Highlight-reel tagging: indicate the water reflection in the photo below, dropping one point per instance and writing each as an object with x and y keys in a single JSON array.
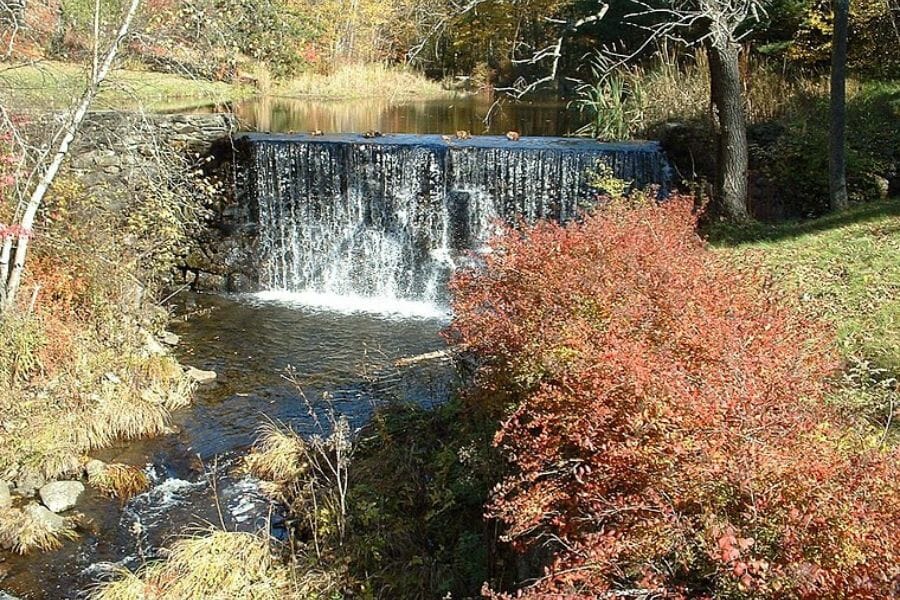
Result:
[{"x": 479, "y": 114}]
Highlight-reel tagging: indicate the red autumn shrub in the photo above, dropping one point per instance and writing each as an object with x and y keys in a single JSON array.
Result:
[{"x": 669, "y": 432}]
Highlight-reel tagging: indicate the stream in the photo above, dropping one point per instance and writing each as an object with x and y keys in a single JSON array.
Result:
[
  {"x": 343, "y": 355},
  {"x": 340, "y": 349}
]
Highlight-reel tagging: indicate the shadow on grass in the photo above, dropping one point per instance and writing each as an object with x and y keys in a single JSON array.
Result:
[{"x": 726, "y": 234}]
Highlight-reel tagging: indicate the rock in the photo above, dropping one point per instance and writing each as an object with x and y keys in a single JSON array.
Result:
[
  {"x": 200, "y": 376},
  {"x": 238, "y": 283},
  {"x": 60, "y": 496},
  {"x": 6, "y": 596},
  {"x": 152, "y": 347},
  {"x": 134, "y": 294},
  {"x": 29, "y": 482},
  {"x": 169, "y": 339},
  {"x": 5, "y": 497},
  {"x": 189, "y": 277},
  {"x": 882, "y": 186},
  {"x": 40, "y": 514},
  {"x": 94, "y": 467},
  {"x": 209, "y": 282}
]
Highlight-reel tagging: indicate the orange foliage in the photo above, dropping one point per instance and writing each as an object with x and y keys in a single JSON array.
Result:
[
  {"x": 670, "y": 432},
  {"x": 60, "y": 288}
]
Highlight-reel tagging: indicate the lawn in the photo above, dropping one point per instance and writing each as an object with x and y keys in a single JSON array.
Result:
[
  {"x": 846, "y": 268},
  {"x": 53, "y": 85}
]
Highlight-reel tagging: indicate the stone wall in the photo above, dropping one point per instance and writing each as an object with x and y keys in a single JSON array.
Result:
[
  {"x": 114, "y": 144},
  {"x": 123, "y": 156}
]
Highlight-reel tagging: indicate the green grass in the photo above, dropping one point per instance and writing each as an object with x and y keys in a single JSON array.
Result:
[
  {"x": 53, "y": 85},
  {"x": 50, "y": 85},
  {"x": 846, "y": 268}
]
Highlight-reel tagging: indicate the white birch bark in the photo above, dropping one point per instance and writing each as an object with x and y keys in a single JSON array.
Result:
[{"x": 11, "y": 283}]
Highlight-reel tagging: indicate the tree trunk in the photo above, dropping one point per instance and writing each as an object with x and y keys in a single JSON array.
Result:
[
  {"x": 837, "y": 155},
  {"x": 732, "y": 153},
  {"x": 11, "y": 285}
]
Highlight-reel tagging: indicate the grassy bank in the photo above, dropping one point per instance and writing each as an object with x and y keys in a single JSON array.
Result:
[
  {"x": 80, "y": 368},
  {"x": 846, "y": 268},
  {"x": 52, "y": 85},
  {"x": 47, "y": 85}
]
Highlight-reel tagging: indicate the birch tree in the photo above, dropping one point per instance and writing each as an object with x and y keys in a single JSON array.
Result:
[{"x": 15, "y": 245}]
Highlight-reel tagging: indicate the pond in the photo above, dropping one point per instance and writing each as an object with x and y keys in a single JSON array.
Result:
[{"x": 478, "y": 114}]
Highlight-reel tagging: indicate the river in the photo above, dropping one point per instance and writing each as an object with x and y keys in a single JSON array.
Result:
[{"x": 342, "y": 352}]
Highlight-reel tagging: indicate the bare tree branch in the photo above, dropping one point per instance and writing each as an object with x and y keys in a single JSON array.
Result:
[{"x": 522, "y": 87}]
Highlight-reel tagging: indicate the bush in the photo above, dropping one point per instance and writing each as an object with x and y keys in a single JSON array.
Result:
[
  {"x": 670, "y": 432},
  {"x": 419, "y": 482}
]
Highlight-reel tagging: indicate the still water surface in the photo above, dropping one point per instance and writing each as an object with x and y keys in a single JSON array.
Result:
[{"x": 478, "y": 114}]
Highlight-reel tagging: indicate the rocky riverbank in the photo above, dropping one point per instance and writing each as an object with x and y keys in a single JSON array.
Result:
[{"x": 85, "y": 362}]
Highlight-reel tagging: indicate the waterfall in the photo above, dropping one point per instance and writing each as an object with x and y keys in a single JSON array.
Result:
[{"x": 387, "y": 219}]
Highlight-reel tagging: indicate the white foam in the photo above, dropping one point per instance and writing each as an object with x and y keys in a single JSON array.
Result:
[
  {"x": 159, "y": 499},
  {"x": 351, "y": 303},
  {"x": 245, "y": 500}
]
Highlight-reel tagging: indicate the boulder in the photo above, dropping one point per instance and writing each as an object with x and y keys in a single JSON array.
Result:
[
  {"x": 200, "y": 376},
  {"x": 210, "y": 282},
  {"x": 152, "y": 347},
  {"x": 94, "y": 467},
  {"x": 5, "y": 497},
  {"x": 169, "y": 339},
  {"x": 238, "y": 283},
  {"x": 882, "y": 186},
  {"x": 60, "y": 496},
  {"x": 40, "y": 514}
]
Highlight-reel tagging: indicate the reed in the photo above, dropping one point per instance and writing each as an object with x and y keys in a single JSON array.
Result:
[
  {"x": 673, "y": 87},
  {"x": 120, "y": 481},
  {"x": 361, "y": 81}
]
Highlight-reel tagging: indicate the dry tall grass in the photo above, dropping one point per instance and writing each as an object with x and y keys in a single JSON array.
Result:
[
  {"x": 120, "y": 481},
  {"x": 677, "y": 88},
  {"x": 279, "y": 455},
  {"x": 361, "y": 81},
  {"x": 101, "y": 397},
  {"x": 220, "y": 565},
  {"x": 22, "y": 531}
]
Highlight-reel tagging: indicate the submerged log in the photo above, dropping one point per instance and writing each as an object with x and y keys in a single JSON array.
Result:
[{"x": 438, "y": 355}]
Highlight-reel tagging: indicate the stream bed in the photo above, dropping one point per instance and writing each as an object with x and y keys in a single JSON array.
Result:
[
  {"x": 341, "y": 348},
  {"x": 341, "y": 359}
]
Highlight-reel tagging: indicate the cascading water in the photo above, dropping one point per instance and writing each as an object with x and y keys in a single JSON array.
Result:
[{"x": 383, "y": 221}]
